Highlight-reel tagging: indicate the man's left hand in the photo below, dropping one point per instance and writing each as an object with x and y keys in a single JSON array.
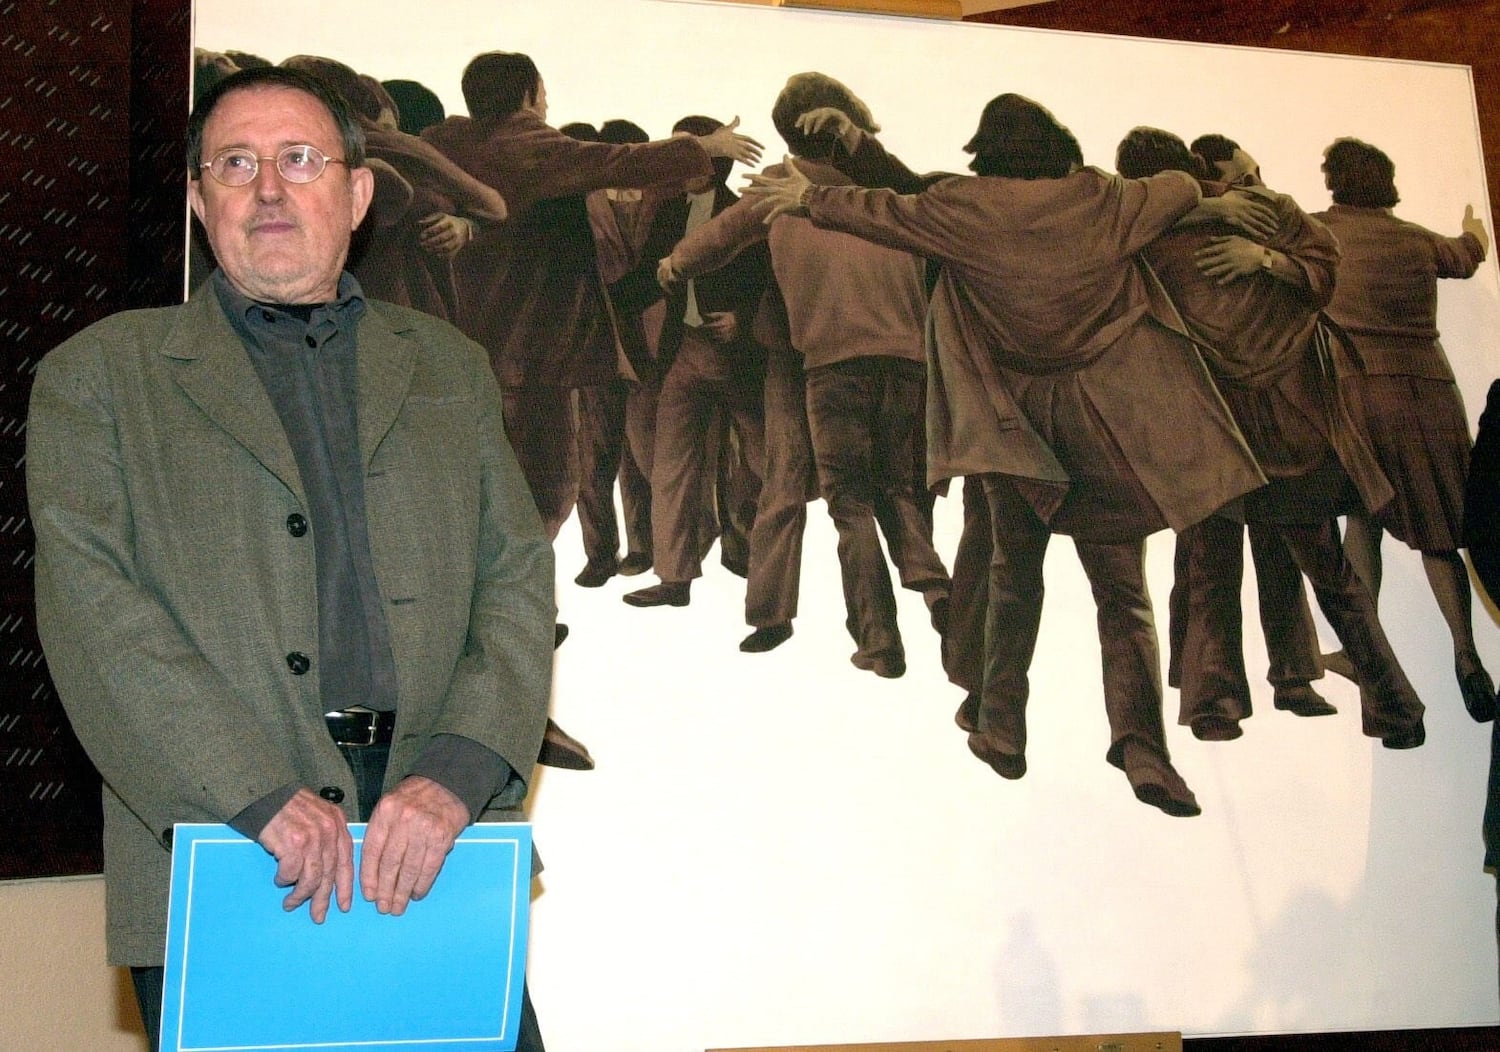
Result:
[
  {"x": 444, "y": 234},
  {"x": 1229, "y": 258},
  {"x": 722, "y": 326},
  {"x": 406, "y": 841}
]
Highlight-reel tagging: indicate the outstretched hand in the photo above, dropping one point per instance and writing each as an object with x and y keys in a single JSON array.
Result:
[
  {"x": 1472, "y": 224},
  {"x": 726, "y": 142},
  {"x": 784, "y": 192}
]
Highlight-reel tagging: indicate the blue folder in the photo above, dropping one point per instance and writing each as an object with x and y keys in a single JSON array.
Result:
[{"x": 243, "y": 975}]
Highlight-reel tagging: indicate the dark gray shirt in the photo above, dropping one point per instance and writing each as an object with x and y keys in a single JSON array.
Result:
[{"x": 306, "y": 356}]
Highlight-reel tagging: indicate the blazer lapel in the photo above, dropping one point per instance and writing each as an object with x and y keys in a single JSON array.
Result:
[
  {"x": 215, "y": 372},
  {"x": 386, "y": 362}
]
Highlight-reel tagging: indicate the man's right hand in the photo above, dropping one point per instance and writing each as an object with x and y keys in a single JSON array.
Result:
[
  {"x": 826, "y": 120},
  {"x": 726, "y": 142},
  {"x": 309, "y": 838}
]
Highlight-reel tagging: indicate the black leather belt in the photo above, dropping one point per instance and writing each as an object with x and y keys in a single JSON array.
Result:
[{"x": 359, "y": 727}]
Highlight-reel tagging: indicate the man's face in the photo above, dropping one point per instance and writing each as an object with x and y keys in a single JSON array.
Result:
[
  {"x": 1239, "y": 170},
  {"x": 537, "y": 103},
  {"x": 279, "y": 242}
]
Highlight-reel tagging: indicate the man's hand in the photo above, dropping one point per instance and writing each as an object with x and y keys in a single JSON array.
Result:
[
  {"x": 826, "y": 120},
  {"x": 721, "y": 326},
  {"x": 444, "y": 234},
  {"x": 1249, "y": 213},
  {"x": 1229, "y": 257},
  {"x": 726, "y": 142},
  {"x": 783, "y": 191},
  {"x": 314, "y": 854},
  {"x": 409, "y": 836},
  {"x": 1472, "y": 224},
  {"x": 666, "y": 277}
]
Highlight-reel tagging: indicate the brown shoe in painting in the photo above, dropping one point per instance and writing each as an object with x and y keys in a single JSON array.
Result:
[
  {"x": 887, "y": 664},
  {"x": 767, "y": 637},
  {"x": 1301, "y": 700},
  {"x": 634, "y": 563},
  {"x": 1478, "y": 691},
  {"x": 561, "y": 749},
  {"x": 1212, "y": 727},
  {"x": 1156, "y": 782},
  {"x": 1008, "y": 765},
  {"x": 668, "y": 593},
  {"x": 596, "y": 572},
  {"x": 967, "y": 716}
]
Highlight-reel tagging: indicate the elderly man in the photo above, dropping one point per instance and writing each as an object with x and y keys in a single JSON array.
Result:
[{"x": 276, "y": 501}]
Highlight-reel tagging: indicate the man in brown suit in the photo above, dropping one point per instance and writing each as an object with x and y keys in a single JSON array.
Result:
[
  {"x": 277, "y": 501},
  {"x": 530, "y": 289},
  {"x": 716, "y": 369}
]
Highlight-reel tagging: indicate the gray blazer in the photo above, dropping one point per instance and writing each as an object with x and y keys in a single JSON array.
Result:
[{"x": 171, "y": 590}]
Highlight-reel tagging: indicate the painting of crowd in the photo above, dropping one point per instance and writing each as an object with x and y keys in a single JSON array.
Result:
[{"x": 1063, "y": 349}]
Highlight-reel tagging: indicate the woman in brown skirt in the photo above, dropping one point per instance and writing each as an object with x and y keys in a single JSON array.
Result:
[{"x": 1401, "y": 389}]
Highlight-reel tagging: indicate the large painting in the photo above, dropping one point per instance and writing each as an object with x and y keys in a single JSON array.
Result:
[{"x": 781, "y": 847}]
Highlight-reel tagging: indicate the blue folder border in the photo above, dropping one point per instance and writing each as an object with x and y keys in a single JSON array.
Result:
[{"x": 187, "y": 900}]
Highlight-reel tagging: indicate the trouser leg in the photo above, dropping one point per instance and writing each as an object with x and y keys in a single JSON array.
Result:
[
  {"x": 840, "y": 409},
  {"x": 1213, "y": 653},
  {"x": 1018, "y": 547},
  {"x": 1127, "y": 642},
  {"x": 1387, "y": 699},
  {"x": 774, "y": 585},
  {"x": 1285, "y": 618},
  {"x": 635, "y": 504},
  {"x": 905, "y": 519},
  {"x": 541, "y": 425},
  {"x": 601, "y": 441},
  {"x": 963, "y": 646},
  {"x": 683, "y": 417},
  {"x": 1177, "y": 610}
]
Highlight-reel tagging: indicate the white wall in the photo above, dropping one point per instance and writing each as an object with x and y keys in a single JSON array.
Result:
[{"x": 778, "y": 848}]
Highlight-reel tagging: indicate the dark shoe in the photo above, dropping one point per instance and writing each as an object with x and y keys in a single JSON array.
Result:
[
  {"x": 1301, "y": 700},
  {"x": 668, "y": 593},
  {"x": 1479, "y": 694},
  {"x": 1156, "y": 782},
  {"x": 559, "y": 633},
  {"x": 634, "y": 563},
  {"x": 1406, "y": 738},
  {"x": 1212, "y": 727},
  {"x": 561, "y": 749},
  {"x": 1339, "y": 664},
  {"x": 887, "y": 664},
  {"x": 1009, "y": 765},
  {"x": 967, "y": 716},
  {"x": 768, "y": 637},
  {"x": 940, "y": 611},
  {"x": 595, "y": 573}
]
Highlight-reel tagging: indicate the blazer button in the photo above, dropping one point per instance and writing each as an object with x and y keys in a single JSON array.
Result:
[
  {"x": 298, "y": 662},
  {"x": 296, "y": 524},
  {"x": 332, "y": 793}
]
